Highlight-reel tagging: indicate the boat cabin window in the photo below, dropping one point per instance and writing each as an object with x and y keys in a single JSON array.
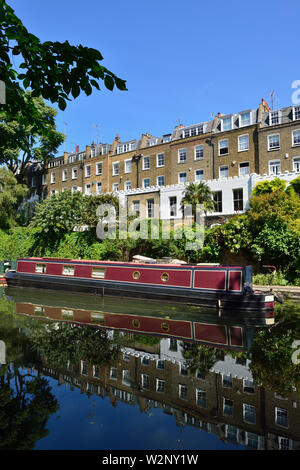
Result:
[
  {"x": 136, "y": 275},
  {"x": 67, "y": 314},
  {"x": 98, "y": 317},
  {"x": 99, "y": 273},
  {"x": 164, "y": 277},
  {"x": 69, "y": 270},
  {"x": 40, "y": 268}
]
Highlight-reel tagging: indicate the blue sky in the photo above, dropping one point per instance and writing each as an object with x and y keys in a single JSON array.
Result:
[{"x": 181, "y": 60}]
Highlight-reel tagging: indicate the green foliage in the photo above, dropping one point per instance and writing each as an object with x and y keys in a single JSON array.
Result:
[
  {"x": 268, "y": 187},
  {"x": 198, "y": 194},
  {"x": 11, "y": 194},
  {"x": 56, "y": 71},
  {"x": 59, "y": 214},
  {"x": 295, "y": 185}
]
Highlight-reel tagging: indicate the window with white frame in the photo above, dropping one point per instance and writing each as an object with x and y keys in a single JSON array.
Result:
[
  {"x": 201, "y": 399},
  {"x": 238, "y": 202},
  {"x": 223, "y": 172},
  {"x": 152, "y": 141},
  {"x": 121, "y": 148},
  {"x": 150, "y": 208},
  {"x": 146, "y": 163},
  {"x": 44, "y": 179},
  {"x": 127, "y": 185},
  {"x": 88, "y": 189},
  {"x": 113, "y": 373},
  {"x": 199, "y": 152},
  {"x": 136, "y": 207},
  {"x": 33, "y": 182},
  {"x": 115, "y": 187},
  {"x": 182, "y": 177},
  {"x": 99, "y": 187},
  {"x": 296, "y": 164},
  {"x": 167, "y": 138},
  {"x": 217, "y": 197},
  {"x": 161, "y": 180},
  {"x": 145, "y": 381},
  {"x": 193, "y": 131},
  {"x": 160, "y": 364},
  {"x": 173, "y": 206},
  {"x": 53, "y": 176},
  {"x": 249, "y": 414},
  {"x": 296, "y": 137},
  {"x": 296, "y": 112},
  {"x": 273, "y": 142},
  {"x": 64, "y": 175},
  {"x": 226, "y": 124},
  {"x": 248, "y": 385},
  {"x": 252, "y": 440},
  {"x": 199, "y": 175},
  {"x": 183, "y": 392},
  {"x": 245, "y": 119},
  {"x": 243, "y": 142},
  {"x": 88, "y": 170},
  {"x": 274, "y": 118},
  {"x": 128, "y": 166},
  {"x": 227, "y": 407},
  {"x": 223, "y": 147},
  {"x": 74, "y": 173},
  {"x": 160, "y": 385},
  {"x": 146, "y": 182},
  {"x": 160, "y": 159},
  {"x": 181, "y": 155},
  {"x": 226, "y": 381},
  {"x": 126, "y": 377},
  {"x": 99, "y": 168},
  {"x": 281, "y": 417},
  {"x": 244, "y": 168},
  {"x": 115, "y": 168},
  {"x": 274, "y": 167},
  {"x": 284, "y": 443}
]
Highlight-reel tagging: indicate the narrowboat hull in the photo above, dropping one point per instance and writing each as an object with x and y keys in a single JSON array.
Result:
[{"x": 218, "y": 287}]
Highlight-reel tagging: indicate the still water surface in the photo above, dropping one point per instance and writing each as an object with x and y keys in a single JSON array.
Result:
[{"x": 86, "y": 373}]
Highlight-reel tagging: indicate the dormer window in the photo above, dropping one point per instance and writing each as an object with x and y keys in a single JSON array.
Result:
[
  {"x": 245, "y": 119},
  {"x": 166, "y": 138},
  {"x": 152, "y": 142},
  {"x": 226, "y": 124},
  {"x": 274, "y": 118},
  {"x": 126, "y": 147},
  {"x": 193, "y": 131},
  {"x": 296, "y": 113}
]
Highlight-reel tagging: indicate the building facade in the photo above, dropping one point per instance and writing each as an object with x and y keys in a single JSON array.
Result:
[{"x": 229, "y": 153}]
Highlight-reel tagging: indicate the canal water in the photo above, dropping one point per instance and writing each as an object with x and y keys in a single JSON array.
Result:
[{"x": 80, "y": 372}]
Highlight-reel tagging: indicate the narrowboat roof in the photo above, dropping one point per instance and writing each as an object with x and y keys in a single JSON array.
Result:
[{"x": 135, "y": 263}]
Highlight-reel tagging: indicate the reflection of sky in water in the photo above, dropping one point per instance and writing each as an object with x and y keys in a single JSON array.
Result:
[{"x": 94, "y": 424}]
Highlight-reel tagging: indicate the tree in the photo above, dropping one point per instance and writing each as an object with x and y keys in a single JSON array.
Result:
[
  {"x": 268, "y": 187},
  {"x": 59, "y": 214},
  {"x": 22, "y": 142},
  {"x": 198, "y": 194},
  {"x": 52, "y": 70},
  {"x": 11, "y": 195}
]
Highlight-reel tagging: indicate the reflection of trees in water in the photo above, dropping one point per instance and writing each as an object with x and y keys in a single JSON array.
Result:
[
  {"x": 271, "y": 355},
  {"x": 201, "y": 358},
  {"x": 26, "y": 402},
  {"x": 63, "y": 344}
]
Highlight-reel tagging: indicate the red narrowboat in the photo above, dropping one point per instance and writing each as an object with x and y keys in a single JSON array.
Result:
[{"x": 223, "y": 287}]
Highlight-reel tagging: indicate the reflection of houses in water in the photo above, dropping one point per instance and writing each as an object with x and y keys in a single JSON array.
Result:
[{"x": 225, "y": 401}]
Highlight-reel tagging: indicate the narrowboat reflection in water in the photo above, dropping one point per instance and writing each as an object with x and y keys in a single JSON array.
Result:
[{"x": 215, "y": 328}]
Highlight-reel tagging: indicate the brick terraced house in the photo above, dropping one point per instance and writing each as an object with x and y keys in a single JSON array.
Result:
[{"x": 231, "y": 153}]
